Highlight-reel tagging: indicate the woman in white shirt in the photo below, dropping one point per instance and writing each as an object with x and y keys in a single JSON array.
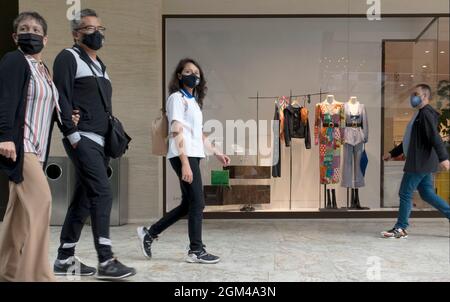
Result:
[{"x": 186, "y": 149}]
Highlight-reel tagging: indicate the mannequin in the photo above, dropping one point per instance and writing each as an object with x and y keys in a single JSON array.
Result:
[
  {"x": 328, "y": 127},
  {"x": 354, "y": 105},
  {"x": 355, "y": 137},
  {"x": 330, "y": 99}
]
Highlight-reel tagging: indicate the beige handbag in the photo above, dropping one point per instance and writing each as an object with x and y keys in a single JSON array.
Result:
[{"x": 160, "y": 135}]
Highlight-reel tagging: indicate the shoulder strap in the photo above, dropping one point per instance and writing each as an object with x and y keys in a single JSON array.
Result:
[{"x": 102, "y": 95}]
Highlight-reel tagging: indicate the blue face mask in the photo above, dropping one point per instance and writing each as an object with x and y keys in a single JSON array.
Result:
[{"x": 415, "y": 101}]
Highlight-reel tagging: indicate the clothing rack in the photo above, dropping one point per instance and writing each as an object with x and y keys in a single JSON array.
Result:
[{"x": 291, "y": 96}]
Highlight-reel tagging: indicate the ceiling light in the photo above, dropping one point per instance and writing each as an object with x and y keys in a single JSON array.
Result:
[
  {"x": 442, "y": 52},
  {"x": 424, "y": 66},
  {"x": 427, "y": 51},
  {"x": 402, "y": 85},
  {"x": 412, "y": 76}
]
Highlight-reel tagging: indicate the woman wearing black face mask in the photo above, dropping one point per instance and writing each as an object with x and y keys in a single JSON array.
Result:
[
  {"x": 186, "y": 149},
  {"x": 28, "y": 103}
]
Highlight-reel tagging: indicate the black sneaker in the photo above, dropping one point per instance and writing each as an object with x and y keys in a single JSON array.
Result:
[
  {"x": 73, "y": 267},
  {"x": 395, "y": 233},
  {"x": 201, "y": 257},
  {"x": 145, "y": 240},
  {"x": 114, "y": 270}
]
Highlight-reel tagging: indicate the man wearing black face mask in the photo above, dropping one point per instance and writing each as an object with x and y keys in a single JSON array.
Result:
[
  {"x": 85, "y": 89},
  {"x": 424, "y": 151}
]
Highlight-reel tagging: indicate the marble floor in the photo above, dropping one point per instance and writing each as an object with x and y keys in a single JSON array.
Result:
[{"x": 286, "y": 250}]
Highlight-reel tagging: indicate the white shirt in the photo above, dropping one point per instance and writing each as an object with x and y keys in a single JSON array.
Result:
[{"x": 183, "y": 108}]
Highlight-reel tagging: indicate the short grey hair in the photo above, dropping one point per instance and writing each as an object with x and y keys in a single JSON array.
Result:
[{"x": 75, "y": 24}]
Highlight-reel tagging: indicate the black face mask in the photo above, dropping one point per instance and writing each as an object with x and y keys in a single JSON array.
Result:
[
  {"x": 94, "y": 41},
  {"x": 30, "y": 44},
  {"x": 190, "y": 81}
]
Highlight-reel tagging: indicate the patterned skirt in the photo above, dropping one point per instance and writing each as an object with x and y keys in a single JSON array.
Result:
[{"x": 330, "y": 155}]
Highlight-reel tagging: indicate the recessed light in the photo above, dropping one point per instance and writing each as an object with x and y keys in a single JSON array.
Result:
[
  {"x": 402, "y": 85},
  {"x": 424, "y": 66},
  {"x": 427, "y": 51},
  {"x": 412, "y": 76},
  {"x": 442, "y": 52}
]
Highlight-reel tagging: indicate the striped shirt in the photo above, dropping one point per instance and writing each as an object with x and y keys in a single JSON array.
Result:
[{"x": 42, "y": 99}]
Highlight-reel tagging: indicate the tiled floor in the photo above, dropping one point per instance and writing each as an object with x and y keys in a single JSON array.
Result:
[{"x": 286, "y": 250}]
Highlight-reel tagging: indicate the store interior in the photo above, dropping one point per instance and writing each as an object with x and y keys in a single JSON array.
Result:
[{"x": 252, "y": 64}]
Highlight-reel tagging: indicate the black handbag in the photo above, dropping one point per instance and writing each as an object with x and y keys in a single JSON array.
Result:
[{"x": 117, "y": 140}]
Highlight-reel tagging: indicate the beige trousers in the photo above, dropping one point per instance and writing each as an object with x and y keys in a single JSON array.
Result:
[{"x": 25, "y": 232}]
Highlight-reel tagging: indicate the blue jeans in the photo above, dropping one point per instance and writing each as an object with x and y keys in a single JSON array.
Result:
[{"x": 424, "y": 183}]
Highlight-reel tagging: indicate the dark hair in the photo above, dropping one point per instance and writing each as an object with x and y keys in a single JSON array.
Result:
[
  {"x": 427, "y": 89},
  {"x": 175, "y": 83},
  {"x": 30, "y": 15},
  {"x": 76, "y": 22}
]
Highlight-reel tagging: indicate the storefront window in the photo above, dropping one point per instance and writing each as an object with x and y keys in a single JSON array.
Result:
[{"x": 318, "y": 59}]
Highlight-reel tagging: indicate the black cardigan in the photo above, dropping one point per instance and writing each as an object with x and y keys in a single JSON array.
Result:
[
  {"x": 426, "y": 149},
  {"x": 15, "y": 77}
]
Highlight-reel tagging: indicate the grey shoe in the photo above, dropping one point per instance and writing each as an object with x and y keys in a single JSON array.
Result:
[
  {"x": 114, "y": 270},
  {"x": 72, "y": 267},
  {"x": 202, "y": 257}
]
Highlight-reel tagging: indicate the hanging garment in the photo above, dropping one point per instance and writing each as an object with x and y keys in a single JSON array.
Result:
[
  {"x": 278, "y": 135},
  {"x": 356, "y": 135},
  {"x": 296, "y": 122},
  {"x": 329, "y": 134}
]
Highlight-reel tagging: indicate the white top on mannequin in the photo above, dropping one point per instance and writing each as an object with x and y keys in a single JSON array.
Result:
[{"x": 354, "y": 105}]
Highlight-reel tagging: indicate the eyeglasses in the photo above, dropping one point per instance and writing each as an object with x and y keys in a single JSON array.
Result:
[{"x": 92, "y": 29}]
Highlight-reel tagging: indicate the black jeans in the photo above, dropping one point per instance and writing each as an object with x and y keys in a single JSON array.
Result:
[
  {"x": 92, "y": 197},
  {"x": 192, "y": 203}
]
